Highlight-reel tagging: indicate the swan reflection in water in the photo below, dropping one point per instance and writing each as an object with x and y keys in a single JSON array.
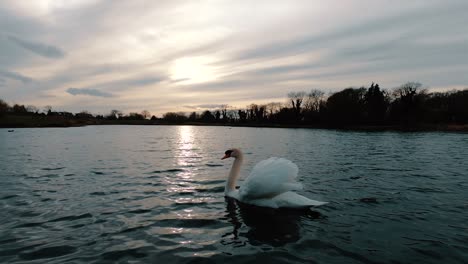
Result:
[{"x": 275, "y": 227}]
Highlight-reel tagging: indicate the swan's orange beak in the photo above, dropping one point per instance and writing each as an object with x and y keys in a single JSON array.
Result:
[{"x": 225, "y": 156}]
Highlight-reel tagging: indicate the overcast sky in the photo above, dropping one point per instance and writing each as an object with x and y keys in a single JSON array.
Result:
[{"x": 99, "y": 55}]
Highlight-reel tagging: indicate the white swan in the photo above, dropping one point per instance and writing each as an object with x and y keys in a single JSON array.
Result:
[{"x": 270, "y": 184}]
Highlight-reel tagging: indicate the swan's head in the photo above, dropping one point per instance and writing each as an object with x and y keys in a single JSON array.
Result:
[{"x": 232, "y": 153}]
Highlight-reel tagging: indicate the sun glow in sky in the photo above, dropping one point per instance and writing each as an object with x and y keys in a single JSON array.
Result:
[
  {"x": 162, "y": 56},
  {"x": 191, "y": 70}
]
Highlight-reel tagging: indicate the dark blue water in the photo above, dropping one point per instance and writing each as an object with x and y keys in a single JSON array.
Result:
[{"x": 146, "y": 194}]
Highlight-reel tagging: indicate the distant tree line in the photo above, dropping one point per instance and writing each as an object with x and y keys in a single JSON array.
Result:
[
  {"x": 30, "y": 110},
  {"x": 406, "y": 105}
]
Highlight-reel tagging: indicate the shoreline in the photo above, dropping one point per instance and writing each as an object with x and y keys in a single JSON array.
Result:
[{"x": 11, "y": 123}]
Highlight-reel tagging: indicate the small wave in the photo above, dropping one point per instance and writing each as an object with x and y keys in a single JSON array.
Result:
[
  {"x": 214, "y": 165},
  {"x": 77, "y": 226},
  {"x": 98, "y": 193},
  {"x": 9, "y": 197},
  {"x": 8, "y": 241},
  {"x": 130, "y": 229},
  {"x": 147, "y": 150},
  {"x": 97, "y": 172},
  {"x": 118, "y": 254},
  {"x": 140, "y": 211},
  {"x": 425, "y": 190},
  {"x": 29, "y": 214},
  {"x": 212, "y": 182},
  {"x": 71, "y": 217},
  {"x": 29, "y": 225},
  {"x": 190, "y": 223},
  {"x": 369, "y": 200},
  {"x": 53, "y": 169},
  {"x": 169, "y": 170},
  {"x": 48, "y": 252},
  {"x": 217, "y": 189},
  {"x": 53, "y": 175},
  {"x": 184, "y": 193}
]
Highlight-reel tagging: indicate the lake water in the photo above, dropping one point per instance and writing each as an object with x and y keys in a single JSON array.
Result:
[{"x": 147, "y": 194}]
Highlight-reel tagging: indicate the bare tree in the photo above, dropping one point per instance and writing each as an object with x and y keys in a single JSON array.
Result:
[
  {"x": 408, "y": 90},
  {"x": 314, "y": 100},
  {"x": 273, "y": 108},
  {"x": 32, "y": 109},
  {"x": 296, "y": 99},
  {"x": 224, "y": 110},
  {"x": 115, "y": 114},
  {"x": 146, "y": 114},
  {"x": 47, "y": 109}
]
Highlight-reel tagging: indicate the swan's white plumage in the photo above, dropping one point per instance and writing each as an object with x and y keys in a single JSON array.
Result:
[
  {"x": 271, "y": 183},
  {"x": 270, "y": 178}
]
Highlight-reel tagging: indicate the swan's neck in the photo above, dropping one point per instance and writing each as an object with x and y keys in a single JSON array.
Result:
[{"x": 234, "y": 174}]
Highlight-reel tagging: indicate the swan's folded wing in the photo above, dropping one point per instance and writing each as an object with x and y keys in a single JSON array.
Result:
[{"x": 270, "y": 178}]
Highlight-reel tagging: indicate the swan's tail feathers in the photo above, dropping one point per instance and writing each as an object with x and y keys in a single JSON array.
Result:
[
  {"x": 294, "y": 200},
  {"x": 317, "y": 203}
]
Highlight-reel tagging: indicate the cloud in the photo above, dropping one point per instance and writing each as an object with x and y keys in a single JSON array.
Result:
[
  {"x": 180, "y": 80},
  {"x": 44, "y": 50},
  {"x": 90, "y": 92},
  {"x": 204, "y": 106},
  {"x": 15, "y": 76}
]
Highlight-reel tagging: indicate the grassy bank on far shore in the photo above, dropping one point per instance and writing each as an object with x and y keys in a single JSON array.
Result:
[{"x": 19, "y": 121}]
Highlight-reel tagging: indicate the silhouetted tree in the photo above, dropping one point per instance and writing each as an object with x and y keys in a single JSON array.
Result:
[
  {"x": 19, "y": 109},
  {"x": 376, "y": 104},
  {"x": 175, "y": 117},
  {"x": 224, "y": 113},
  {"x": 408, "y": 107},
  {"x": 146, "y": 114},
  {"x": 84, "y": 115},
  {"x": 346, "y": 107},
  {"x": 286, "y": 116},
  {"x": 193, "y": 117},
  {"x": 32, "y": 109},
  {"x": 47, "y": 109},
  {"x": 271, "y": 109},
  {"x": 4, "y": 107},
  {"x": 135, "y": 116},
  {"x": 312, "y": 106},
  {"x": 217, "y": 115},
  {"x": 153, "y": 118},
  {"x": 458, "y": 106},
  {"x": 296, "y": 99},
  {"x": 232, "y": 115},
  {"x": 313, "y": 100},
  {"x": 242, "y": 115},
  {"x": 207, "y": 117},
  {"x": 114, "y": 114},
  {"x": 66, "y": 114}
]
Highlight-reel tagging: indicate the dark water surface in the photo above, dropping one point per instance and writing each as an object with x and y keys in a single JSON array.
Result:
[{"x": 147, "y": 194}]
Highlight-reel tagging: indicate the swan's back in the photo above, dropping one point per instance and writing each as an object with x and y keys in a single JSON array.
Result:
[{"x": 270, "y": 178}]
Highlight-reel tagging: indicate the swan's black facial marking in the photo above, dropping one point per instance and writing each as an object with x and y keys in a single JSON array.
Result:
[{"x": 227, "y": 154}]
